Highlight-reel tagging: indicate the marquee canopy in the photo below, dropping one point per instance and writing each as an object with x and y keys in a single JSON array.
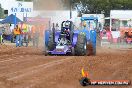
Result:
[{"x": 12, "y": 19}]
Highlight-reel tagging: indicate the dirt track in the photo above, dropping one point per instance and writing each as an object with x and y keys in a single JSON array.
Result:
[{"x": 29, "y": 68}]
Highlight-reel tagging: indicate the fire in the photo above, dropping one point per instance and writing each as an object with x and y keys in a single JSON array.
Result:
[{"x": 84, "y": 73}]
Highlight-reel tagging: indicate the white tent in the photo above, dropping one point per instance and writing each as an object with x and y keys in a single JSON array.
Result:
[{"x": 121, "y": 15}]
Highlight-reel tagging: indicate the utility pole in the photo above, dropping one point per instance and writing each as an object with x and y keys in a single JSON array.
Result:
[{"x": 70, "y": 9}]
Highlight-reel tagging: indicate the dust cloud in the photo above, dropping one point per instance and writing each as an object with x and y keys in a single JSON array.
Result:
[{"x": 51, "y": 4}]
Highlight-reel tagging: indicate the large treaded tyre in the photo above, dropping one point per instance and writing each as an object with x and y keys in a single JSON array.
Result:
[
  {"x": 51, "y": 43},
  {"x": 81, "y": 48}
]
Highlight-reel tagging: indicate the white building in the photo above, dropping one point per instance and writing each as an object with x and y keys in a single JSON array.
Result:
[
  {"x": 119, "y": 19},
  {"x": 27, "y": 9},
  {"x": 21, "y": 9}
]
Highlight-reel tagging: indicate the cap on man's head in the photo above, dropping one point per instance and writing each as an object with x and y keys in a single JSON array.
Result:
[{"x": 84, "y": 23}]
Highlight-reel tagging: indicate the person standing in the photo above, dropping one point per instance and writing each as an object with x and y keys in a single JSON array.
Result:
[
  {"x": 25, "y": 33},
  {"x": 20, "y": 26},
  {"x": 1, "y": 38},
  {"x": 17, "y": 33},
  {"x": 35, "y": 35}
]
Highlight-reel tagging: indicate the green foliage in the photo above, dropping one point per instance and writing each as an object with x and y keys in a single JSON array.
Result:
[
  {"x": 98, "y": 6},
  {"x": 1, "y": 12}
]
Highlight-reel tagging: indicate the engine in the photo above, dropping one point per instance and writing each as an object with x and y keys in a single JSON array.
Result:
[{"x": 62, "y": 40}]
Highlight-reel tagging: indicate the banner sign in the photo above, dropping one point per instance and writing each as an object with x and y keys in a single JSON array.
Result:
[{"x": 24, "y": 7}]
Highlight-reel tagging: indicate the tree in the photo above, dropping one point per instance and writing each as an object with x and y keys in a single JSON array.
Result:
[
  {"x": 97, "y": 6},
  {"x": 1, "y": 12}
]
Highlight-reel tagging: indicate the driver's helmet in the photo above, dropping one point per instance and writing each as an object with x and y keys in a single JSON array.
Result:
[{"x": 67, "y": 24}]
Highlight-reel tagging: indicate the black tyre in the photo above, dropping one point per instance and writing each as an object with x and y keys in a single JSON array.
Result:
[
  {"x": 81, "y": 48},
  {"x": 85, "y": 81},
  {"x": 51, "y": 43}
]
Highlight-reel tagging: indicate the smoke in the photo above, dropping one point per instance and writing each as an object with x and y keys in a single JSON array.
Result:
[{"x": 51, "y": 4}]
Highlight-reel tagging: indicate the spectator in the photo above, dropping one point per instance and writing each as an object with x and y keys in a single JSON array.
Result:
[
  {"x": 17, "y": 33},
  {"x": 1, "y": 38},
  {"x": 25, "y": 31},
  {"x": 35, "y": 35}
]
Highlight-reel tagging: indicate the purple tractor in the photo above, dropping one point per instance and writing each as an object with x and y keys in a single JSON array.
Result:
[{"x": 67, "y": 41}]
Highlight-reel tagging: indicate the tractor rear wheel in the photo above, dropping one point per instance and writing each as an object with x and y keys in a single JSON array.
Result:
[
  {"x": 51, "y": 43},
  {"x": 81, "y": 46}
]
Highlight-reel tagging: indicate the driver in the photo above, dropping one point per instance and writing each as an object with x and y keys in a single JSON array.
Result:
[
  {"x": 67, "y": 27},
  {"x": 67, "y": 30}
]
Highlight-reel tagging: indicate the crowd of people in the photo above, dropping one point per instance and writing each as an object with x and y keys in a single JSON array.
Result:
[{"x": 23, "y": 33}]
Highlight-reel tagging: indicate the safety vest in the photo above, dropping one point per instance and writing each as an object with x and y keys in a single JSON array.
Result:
[
  {"x": 24, "y": 28},
  {"x": 17, "y": 31},
  {"x": 1, "y": 38}
]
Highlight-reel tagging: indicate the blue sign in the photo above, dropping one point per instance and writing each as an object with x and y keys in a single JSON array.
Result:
[{"x": 21, "y": 10}]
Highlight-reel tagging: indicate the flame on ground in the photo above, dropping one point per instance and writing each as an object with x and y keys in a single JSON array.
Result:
[{"x": 84, "y": 73}]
